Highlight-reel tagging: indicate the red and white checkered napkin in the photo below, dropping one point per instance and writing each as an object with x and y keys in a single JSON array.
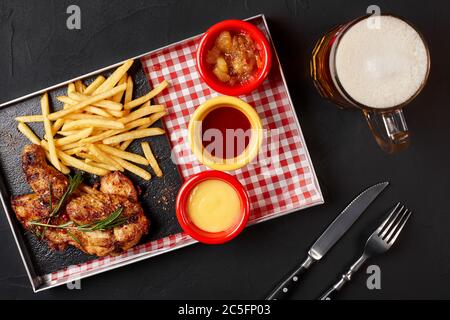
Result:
[
  {"x": 285, "y": 184},
  {"x": 289, "y": 184}
]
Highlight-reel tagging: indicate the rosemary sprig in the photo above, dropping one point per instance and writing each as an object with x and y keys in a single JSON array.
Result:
[
  {"x": 109, "y": 222},
  {"x": 74, "y": 237},
  {"x": 74, "y": 183},
  {"x": 115, "y": 219}
]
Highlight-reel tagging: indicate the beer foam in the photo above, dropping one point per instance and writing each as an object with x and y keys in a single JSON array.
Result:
[{"x": 381, "y": 66}]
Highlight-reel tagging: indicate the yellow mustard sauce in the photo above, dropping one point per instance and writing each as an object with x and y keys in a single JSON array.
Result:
[{"x": 214, "y": 206}]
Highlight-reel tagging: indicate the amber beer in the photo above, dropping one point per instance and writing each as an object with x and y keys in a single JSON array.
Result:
[{"x": 376, "y": 67}]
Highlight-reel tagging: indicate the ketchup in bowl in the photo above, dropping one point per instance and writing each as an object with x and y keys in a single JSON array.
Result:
[{"x": 232, "y": 126}]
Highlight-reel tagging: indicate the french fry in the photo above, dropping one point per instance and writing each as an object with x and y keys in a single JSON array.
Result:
[
  {"x": 152, "y": 119},
  {"x": 92, "y": 109},
  {"x": 96, "y": 123},
  {"x": 71, "y": 146},
  {"x": 70, "y": 88},
  {"x": 27, "y": 132},
  {"x": 137, "y": 102},
  {"x": 34, "y": 118},
  {"x": 100, "y": 155},
  {"x": 82, "y": 116},
  {"x": 88, "y": 101},
  {"x": 136, "y": 134},
  {"x": 64, "y": 168},
  {"x": 110, "y": 133},
  {"x": 114, "y": 78},
  {"x": 48, "y": 131},
  {"x": 76, "y": 163},
  {"x": 106, "y": 104},
  {"x": 76, "y": 150},
  {"x": 117, "y": 114},
  {"x": 98, "y": 111},
  {"x": 124, "y": 145},
  {"x": 87, "y": 156},
  {"x": 101, "y": 165},
  {"x": 118, "y": 97},
  {"x": 67, "y": 133},
  {"x": 75, "y": 137},
  {"x": 143, "y": 111},
  {"x": 94, "y": 85},
  {"x": 79, "y": 86},
  {"x": 57, "y": 125},
  {"x": 151, "y": 158},
  {"x": 133, "y": 168},
  {"x": 123, "y": 154},
  {"x": 129, "y": 91}
]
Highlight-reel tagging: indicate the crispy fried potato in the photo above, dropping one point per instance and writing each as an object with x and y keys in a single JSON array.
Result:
[
  {"x": 129, "y": 91},
  {"x": 105, "y": 104},
  {"x": 48, "y": 131},
  {"x": 151, "y": 158},
  {"x": 100, "y": 155},
  {"x": 88, "y": 101},
  {"x": 137, "y": 102},
  {"x": 96, "y": 123},
  {"x": 118, "y": 97},
  {"x": 27, "y": 132},
  {"x": 79, "y": 86},
  {"x": 133, "y": 168},
  {"x": 75, "y": 137},
  {"x": 33, "y": 118},
  {"x": 152, "y": 119},
  {"x": 94, "y": 85},
  {"x": 114, "y": 78},
  {"x": 136, "y": 134},
  {"x": 123, "y": 154}
]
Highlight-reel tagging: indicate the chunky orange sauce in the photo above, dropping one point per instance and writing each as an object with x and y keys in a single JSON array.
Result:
[{"x": 234, "y": 58}]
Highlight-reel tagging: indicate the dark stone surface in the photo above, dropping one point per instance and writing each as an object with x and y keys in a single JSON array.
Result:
[{"x": 37, "y": 50}]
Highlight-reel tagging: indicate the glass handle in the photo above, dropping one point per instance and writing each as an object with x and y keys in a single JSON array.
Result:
[{"x": 389, "y": 129}]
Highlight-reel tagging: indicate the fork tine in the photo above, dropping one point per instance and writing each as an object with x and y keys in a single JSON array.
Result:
[
  {"x": 399, "y": 229},
  {"x": 387, "y": 219},
  {"x": 388, "y": 228}
]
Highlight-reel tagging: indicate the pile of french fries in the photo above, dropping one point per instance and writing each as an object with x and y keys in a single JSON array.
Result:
[{"x": 97, "y": 124}]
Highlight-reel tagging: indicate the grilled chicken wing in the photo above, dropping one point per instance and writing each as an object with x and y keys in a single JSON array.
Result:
[
  {"x": 116, "y": 191},
  {"x": 40, "y": 175},
  {"x": 118, "y": 183}
]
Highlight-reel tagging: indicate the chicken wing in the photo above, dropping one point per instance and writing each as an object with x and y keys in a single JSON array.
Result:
[
  {"x": 116, "y": 191},
  {"x": 40, "y": 176}
]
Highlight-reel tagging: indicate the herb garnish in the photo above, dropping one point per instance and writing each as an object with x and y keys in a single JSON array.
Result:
[
  {"x": 74, "y": 183},
  {"x": 115, "y": 219}
]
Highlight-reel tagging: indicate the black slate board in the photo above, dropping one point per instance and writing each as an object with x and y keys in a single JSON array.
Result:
[{"x": 157, "y": 196}]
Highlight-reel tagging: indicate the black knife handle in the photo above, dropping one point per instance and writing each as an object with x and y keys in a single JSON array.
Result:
[{"x": 291, "y": 282}]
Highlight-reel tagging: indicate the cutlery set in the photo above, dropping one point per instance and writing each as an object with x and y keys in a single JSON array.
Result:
[{"x": 380, "y": 241}]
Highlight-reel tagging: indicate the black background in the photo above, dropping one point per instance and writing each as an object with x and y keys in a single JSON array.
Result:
[{"x": 37, "y": 50}]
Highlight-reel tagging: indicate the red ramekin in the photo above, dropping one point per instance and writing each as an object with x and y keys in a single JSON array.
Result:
[
  {"x": 207, "y": 42},
  {"x": 190, "y": 228}
]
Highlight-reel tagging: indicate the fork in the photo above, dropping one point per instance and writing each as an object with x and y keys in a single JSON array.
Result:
[{"x": 379, "y": 242}]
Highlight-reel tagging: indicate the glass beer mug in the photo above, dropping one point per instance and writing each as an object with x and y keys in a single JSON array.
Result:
[{"x": 377, "y": 64}]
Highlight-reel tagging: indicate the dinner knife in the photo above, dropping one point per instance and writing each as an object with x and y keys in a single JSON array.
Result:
[{"x": 329, "y": 237}]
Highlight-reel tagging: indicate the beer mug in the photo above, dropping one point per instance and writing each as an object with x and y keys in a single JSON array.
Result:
[{"x": 377, "y": 64}]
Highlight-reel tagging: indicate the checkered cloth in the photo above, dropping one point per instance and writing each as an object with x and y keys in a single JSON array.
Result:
[{"x": 285, "y": 184}]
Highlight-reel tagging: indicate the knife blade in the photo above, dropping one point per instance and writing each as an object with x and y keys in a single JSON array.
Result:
[
  {"x": 344, "y": 220},
  {"x": 330, "y": 236}
]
